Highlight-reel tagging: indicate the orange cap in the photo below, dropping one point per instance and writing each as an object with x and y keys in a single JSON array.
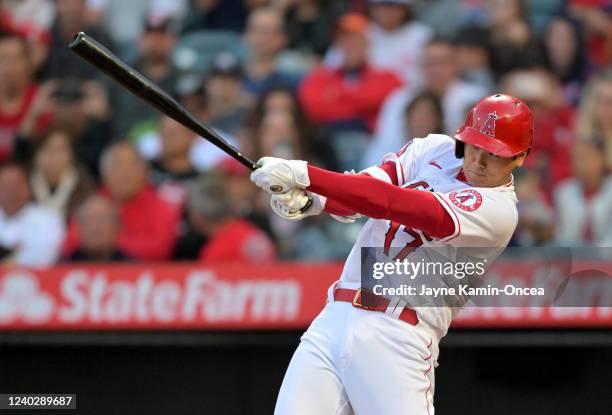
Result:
[{"x": 352, "y": 23}]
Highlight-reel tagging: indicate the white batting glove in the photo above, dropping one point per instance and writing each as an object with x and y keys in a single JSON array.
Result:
[
  {"x": 293, "y": 205},
  {"x": 277, "y": 176}
]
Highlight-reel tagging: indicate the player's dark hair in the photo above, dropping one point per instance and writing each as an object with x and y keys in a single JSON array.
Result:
[{"x": 459, "y": 149}]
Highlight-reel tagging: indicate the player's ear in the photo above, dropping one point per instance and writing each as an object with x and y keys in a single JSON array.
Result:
[{"x": 520, "y": 159}]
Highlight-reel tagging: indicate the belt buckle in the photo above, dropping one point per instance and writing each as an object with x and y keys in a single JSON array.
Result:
[{"x": 357, "y": 300}]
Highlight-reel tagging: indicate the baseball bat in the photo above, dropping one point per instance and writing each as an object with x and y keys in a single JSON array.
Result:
[{"x": 102, "y": 58}]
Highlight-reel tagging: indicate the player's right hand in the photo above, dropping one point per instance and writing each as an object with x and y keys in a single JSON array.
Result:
[
  {"x": 275, "y": 175},
  {"x": 293, "y": 204}
]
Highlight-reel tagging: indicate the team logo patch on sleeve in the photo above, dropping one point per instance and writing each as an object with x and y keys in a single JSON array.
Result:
[{"x": 468, "y": 200}]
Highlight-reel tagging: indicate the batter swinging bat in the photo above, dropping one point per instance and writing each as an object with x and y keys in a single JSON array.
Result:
[{"x": 102, "y": 58}]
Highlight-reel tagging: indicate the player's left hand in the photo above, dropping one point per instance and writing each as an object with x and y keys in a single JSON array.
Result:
[{"x": 277, "y": 176}]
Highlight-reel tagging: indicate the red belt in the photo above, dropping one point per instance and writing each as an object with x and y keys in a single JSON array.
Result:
[{"x": 367, "y": 300}]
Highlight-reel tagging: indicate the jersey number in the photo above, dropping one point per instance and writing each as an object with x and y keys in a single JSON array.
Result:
[
  {"x": 394, "y": 227},
  {"x": 409, "y": 247}
]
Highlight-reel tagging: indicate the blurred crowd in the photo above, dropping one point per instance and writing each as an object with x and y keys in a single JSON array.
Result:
[{"x": 90, "y": 173}]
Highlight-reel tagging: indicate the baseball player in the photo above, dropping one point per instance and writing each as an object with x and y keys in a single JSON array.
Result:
[{"x": 435, "y": 192}]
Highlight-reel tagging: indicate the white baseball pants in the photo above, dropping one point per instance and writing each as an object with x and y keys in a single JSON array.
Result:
[{"x": 353, "y": 361}]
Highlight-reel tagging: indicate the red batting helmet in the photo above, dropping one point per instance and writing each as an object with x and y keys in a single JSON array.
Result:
[{"x": 500, "y": 124}]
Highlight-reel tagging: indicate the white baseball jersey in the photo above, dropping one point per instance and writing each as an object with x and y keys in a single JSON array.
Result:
[
  {"x": 354, "y": 361},
  {"x": 483, "y": 217}
]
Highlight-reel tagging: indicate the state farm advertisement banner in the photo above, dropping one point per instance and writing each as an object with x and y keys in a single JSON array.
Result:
[
  {"x": 276, "y": 296},
  {"x": 164, "y": 296}
]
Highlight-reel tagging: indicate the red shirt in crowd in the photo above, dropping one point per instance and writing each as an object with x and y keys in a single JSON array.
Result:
[
  {"x": 599, "y": 45},
  {"x": 330, "y": 95},
  {"x": 10, "y": 123},
  {"x": 238, "y": 241},
  {"x": 148, "y": 227},
  {"x": 552, "y": 144}
]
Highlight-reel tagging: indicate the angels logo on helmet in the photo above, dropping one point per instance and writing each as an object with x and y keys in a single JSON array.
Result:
[{"x": 489, "y": 126}]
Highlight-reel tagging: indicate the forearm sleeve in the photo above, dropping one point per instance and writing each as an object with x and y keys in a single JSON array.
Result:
[
  {"x": 334, "y": 208},
  {"x": 386, "y": 172},
  {"x": 377, "y": 199}
]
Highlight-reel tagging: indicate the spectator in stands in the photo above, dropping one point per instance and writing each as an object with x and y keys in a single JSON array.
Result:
[
  {"x": 309, "y": 24},
  {"x": 596, "y": 15},
  {"x": 584, "y": 202},
  {"x": 397, "y": 41},
  {"x": 32, "y": 19},
  {"x": 83, "y": 110},
  {"x": 58, "y": 182},
  {"x": 226, "y": 98},
  {"x": 536, "y": 225},
  {"x": 240, "y": 190},
  {"x": 155, "y": 46},
  {"x": 216, "y": 15},
  {"x": 565, "y": 55},
  {"x": 513, "y": 43},
  {"x": 24, "y": 106},
  {"x": 230, "y": 240},
  {"x": 473, "y": 57},
  {"x": 70, "y": 18},
  {"x": 314, "y": 143},
  {"x": 173, "y": 170},
  {"x": 595, "y": 113},
  {"x": 279, "y": 129},
  {"x": 553, "y": 124},
  {"x": 348, "y": 97},
  {"x": 182, "y": 155},
  {"x": 30, "y": 235},
  {"x": 441, "y": 78},
  {"x": 279, "y": 136},
  {"x": 277, "y": 99},
  {"x": 148, "y": 222},
  {"x": 448, "y": 16},
  {"x": 424, "y": 115},
  {"x": 265, "y": 39},
  {"x": 203, "y": 155},
  {"x": 124, "y": 20},
  {"x": 98, "y": 225}
]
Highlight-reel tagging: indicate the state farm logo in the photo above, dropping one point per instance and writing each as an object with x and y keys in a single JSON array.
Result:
[
  {"x": 196, "y": 297},
  {"x": 22, "y": 299}
]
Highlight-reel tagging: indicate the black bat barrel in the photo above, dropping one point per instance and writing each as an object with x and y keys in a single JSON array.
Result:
[{"x": 102, "y": 58}]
